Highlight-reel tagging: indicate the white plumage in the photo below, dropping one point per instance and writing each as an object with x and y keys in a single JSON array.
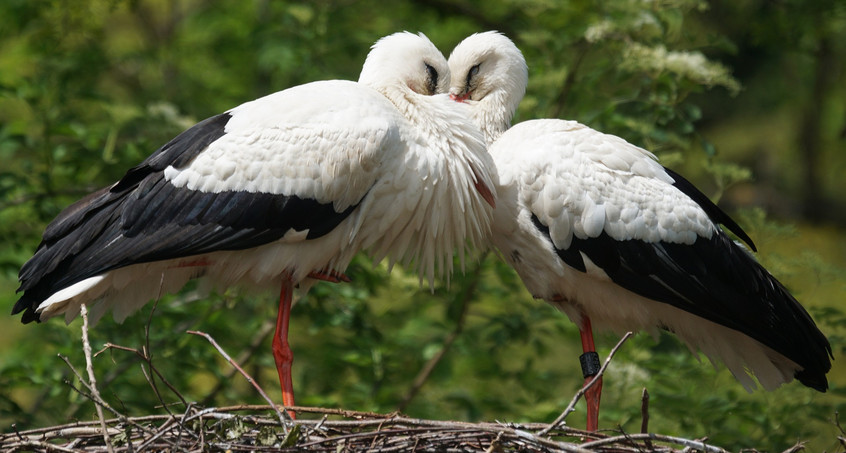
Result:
[
  {"x": 621, "y": 188},
  {"x": 600, "y": 229},
  {"x": 626, "y": 205},
  {"x": 279, "y": 190}
]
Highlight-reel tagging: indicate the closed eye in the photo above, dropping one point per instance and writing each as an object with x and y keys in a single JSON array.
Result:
[
  {"x": 472, "y": 73},
  {"x": 432, "y": 82}
]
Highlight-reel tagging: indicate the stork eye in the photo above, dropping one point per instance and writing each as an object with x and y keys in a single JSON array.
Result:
[
  {"x": 473, "y": 71},
  {"x": 432, "y": 81}
]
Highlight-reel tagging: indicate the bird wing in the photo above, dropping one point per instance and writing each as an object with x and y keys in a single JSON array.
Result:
[
  {"x": 610, "y": 210},
  {"x": 581, "y": 183},
  {"x": 290, "y": 166}
]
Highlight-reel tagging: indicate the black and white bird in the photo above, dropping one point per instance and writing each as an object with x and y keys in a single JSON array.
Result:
[
  {"x": 283, "y": 190},
  {"x": 597, "y": 227}
]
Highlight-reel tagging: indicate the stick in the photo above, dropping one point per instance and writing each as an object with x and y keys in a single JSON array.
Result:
[
  {"x": 796, "y": 448},
  {"x": 572, "y": 406},
  {"x": 99, "y": 401},
  {"x": 86, "y": 348},
  {"x": 283, "y": 419},
  {"x": 391, "y": 434},
  {"x": 148, "y": 353},
  {"x": 644, "y": 411},
  {"x": 245, "y": 355},
  {"x": 315, "y": 410},
  {"x": 143, "y": 355},
  {"x": 644, "y": 416},
  {"x": 695, "y": 444}
]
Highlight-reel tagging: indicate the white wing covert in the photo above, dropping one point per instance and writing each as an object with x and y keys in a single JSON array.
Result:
[
  {"x": 581, "y": 183},
  {"x": 238, "y": 180}
]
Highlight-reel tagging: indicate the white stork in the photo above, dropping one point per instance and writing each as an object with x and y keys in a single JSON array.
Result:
[
  {"x": 597, "y": 227},
  {"x": 284, "y": 190}
]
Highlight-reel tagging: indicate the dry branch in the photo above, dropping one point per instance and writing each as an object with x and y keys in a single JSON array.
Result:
[
  {"x": 92, "y": 380},
  {"x": 252, "y": 428},
  {"x": 284, "y": 418},
  {"x": 259, "y": 428}
]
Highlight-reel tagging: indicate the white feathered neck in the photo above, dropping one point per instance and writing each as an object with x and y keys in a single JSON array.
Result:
[{"x": 451, "y": 159}]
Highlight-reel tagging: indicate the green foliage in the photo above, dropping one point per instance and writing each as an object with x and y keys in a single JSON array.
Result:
[{"x": 88, "y": 90}]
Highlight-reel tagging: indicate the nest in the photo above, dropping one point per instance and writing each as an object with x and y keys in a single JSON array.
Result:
[
  {"x": 268, "y": 427},
  {"x": 257, "y": 429}
]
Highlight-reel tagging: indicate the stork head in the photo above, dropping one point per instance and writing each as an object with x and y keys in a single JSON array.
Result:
[
  {"x": 406, "y": 59},
  {"x": 488, "y": 68}
]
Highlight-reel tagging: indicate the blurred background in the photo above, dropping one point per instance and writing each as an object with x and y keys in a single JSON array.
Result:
[{"x": 745, "y": 98}]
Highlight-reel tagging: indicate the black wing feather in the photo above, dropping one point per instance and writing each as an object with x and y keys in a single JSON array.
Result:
[
  {"x": 714, "y": 212},
  {"x": 715, "y": 279},
  {"x": 143, "y": 218}
]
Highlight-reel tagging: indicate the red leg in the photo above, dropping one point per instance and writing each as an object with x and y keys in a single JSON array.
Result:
[
  {"x": 590, "y": 367},
  {"x": 281, "y": 349}
]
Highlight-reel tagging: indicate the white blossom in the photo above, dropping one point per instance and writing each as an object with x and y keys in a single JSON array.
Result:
[{"x": 692, "y": 65}]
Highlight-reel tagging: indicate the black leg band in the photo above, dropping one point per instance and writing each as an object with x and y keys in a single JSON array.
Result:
[{"x": 590, "y": 363}]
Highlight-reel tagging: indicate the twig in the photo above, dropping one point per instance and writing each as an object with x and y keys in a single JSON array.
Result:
[
  {"x": 17, "y": 433},
  {"x": 798, "y": 447},
  {"x": 401, "y": 426},
  {"x": 92, "y": 380},
  {"x": 182, "y": 421},
  {"x": 396, "y": 433},
  {"x": 46, "y": 446},
  {"x": 161, "y": 432},
  {"x": 695, "y": 444},
  {"x": 572, "y": 406},
  {"x": 322, "y": 421},
  {"x": 430, "y": 365},
  {"x": 148, "y": 353},
  {"x": 141, "y": 354},
  {"x": 314, "y": 410},
  {"x": 121, "y": 368},
  {"x": 283, "y": 419},
  {"x": 644, "y": 416},
  {"x": 264, "y": 330},
  {"x": 496, "y": 445},
  {"x": 100, "y": 402}
]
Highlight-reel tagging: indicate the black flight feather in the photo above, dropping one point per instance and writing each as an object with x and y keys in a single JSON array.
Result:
[
  {"x": 716, "y": 279},
  {"x": 143, "y": 218}
]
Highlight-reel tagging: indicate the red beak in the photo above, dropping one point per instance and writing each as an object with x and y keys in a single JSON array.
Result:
[{"x": 458, "y": 98}]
